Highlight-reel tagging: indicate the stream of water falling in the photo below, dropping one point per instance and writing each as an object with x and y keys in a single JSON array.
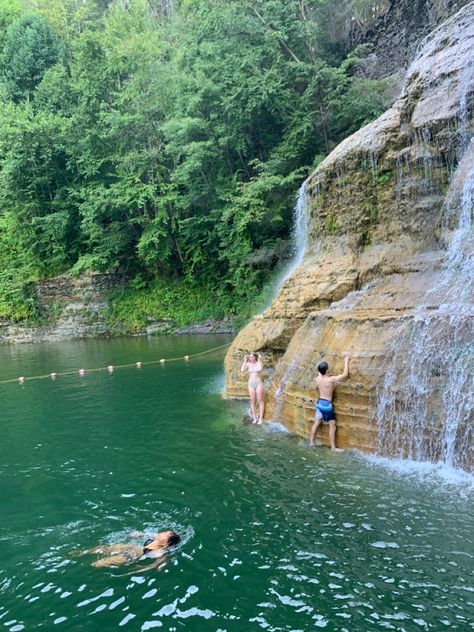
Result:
[
  {"x": 426, "y": 402},
  {"x": 299, "y": 236},
  {"x": 299, "y": 232},
  {"x": 300, "y": 240}
]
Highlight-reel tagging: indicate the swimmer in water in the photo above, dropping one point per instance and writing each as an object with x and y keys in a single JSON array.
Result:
[
  {"x": 253, "y": 365},
  {"x": 153, "y": 548}
]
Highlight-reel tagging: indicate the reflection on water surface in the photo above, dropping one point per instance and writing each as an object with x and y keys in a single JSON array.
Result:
[{"x": 275, "y": 536}]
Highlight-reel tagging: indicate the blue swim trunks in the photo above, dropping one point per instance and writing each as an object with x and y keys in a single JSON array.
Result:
[{"x": 325, "y": 410}]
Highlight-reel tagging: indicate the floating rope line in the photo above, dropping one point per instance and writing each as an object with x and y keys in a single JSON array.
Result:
[{"x": 110, "y": 368}]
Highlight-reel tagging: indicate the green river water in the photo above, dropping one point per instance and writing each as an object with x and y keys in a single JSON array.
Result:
[{"x": 275, "y": 536}]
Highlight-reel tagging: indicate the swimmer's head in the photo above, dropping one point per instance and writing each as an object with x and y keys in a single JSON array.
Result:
[
  {"x": 163, "y": 540},
  {"x": 253, "y": 355},
  {"x": 323, "y": 367}
]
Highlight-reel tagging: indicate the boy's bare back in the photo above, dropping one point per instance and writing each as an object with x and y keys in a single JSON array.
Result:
[{"x": 327, "y": 383}]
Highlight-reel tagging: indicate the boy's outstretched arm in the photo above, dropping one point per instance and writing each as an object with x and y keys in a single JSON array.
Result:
[{"x": 342, "y": 377}]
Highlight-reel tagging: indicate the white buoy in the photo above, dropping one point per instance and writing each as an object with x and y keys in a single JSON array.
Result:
[
  {"x": 110, "y": 368},
  {"x": 186, "y": 358},
  {"x": 81, "y": 372},
  {"x": 52, "y": 376},
  {"x": 138, "y": 365},
  {"x": 21, "y": 379},
  {"x": 162, "y": 361}
]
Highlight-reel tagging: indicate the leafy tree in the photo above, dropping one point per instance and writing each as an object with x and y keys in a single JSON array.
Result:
[
  {"x": 167, "y": 139},
  {"x": 30, "y": 48}
]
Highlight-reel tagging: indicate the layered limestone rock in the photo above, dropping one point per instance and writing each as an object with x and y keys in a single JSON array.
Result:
[
  {"x": 377, "y": 254},
  {"x": 71, "y": 308},
  {"x": 397, "y": 33}
]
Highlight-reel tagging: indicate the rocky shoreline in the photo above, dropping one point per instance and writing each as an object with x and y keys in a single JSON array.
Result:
[{"x": 76, "y": 308}]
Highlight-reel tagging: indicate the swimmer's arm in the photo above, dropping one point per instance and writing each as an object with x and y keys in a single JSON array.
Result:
[
  {"x": 342, "y": 377},
  {"x": 99, "y": 550},
  {"x": 159, "y": 564},
  {"x": 260, "y": 362}
]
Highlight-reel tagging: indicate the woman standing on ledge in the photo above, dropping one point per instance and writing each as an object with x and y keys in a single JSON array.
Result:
[{"x": 253, "y": 365}]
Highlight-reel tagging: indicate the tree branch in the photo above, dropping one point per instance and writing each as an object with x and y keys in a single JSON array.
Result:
[{"x": 281, "y": 41}]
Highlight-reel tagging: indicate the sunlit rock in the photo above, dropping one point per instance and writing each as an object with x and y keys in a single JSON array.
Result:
[{"x": 387, "y": 273}]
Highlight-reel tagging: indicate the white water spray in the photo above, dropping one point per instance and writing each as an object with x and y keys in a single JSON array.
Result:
[
  {"x": 300, "y": 231},
  {"x": 426, "y": 402},
  {"x": 299, "y": 236}
]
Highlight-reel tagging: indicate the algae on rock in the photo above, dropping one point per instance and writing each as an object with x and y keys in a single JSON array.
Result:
[{"x": 376, "y": 259}]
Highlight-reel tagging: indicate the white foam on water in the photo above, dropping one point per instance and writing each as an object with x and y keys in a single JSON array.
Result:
[
  {"x": 276, "y": 428},
  {"x": 425, "y": 471}
]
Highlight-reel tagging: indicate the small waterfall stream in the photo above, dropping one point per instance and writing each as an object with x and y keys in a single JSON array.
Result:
[
  {"x": 299, "y": 236},
  {"x": 425, "y": 405},
  {"x": 300, "y": 240},
  {"x": 426, "y": 402},
  {"x": 299, "y": 233}
]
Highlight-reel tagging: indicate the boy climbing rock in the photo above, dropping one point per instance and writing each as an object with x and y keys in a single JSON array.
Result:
[{"x": 324, "y": 407}]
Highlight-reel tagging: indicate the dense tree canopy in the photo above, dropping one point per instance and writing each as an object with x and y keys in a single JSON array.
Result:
[{"x": 167, "y": 139}]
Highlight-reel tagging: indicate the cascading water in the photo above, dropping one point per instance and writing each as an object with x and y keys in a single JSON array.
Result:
[
  {"x": 300, "y": 230},
  {"x": 299, "y": 238},
  {"x": 426, "y": 402}
]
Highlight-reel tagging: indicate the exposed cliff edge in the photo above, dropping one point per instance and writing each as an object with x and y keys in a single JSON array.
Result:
[
  {"x": 396, "y": 35},
  {"x": 387, "y": 273},
  {"x": 69, "y": 308},
  {"x": 74, "y": 308}
]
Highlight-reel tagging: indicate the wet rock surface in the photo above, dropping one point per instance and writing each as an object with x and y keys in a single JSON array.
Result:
[
  {"x": 378, "y": 255},
  {"x": 396, "y": 35}
]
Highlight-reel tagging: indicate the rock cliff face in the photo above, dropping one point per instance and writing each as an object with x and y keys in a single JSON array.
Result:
[
  {"x": 71, "y": 308},
  {"x": 396, "y": 35},
  {"x": 388, "y": 258}
]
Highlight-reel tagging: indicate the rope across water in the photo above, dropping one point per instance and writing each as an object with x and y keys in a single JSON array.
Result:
[{"x": 110, "y": 368}]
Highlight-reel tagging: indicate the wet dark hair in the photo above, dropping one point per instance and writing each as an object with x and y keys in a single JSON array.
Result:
[
  {"x": 323, "y": 367},
  {"x": 174, "y": 538},
  {"x": 254, "y": 354}
]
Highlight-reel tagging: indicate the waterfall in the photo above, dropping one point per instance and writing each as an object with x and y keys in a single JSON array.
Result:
[
  {"x": 300, "y": 231},
  {"x": 300, "y": 240},
  {"x": 299, "y": 235},
  {"x": 426, "y": 402}
]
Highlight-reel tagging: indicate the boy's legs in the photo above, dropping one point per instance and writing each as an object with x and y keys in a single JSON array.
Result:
[{"x": 317, "y": 422}]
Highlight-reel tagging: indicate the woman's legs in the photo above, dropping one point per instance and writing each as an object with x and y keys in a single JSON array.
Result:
[
  {"x": 260, "y": 391},
  {"x": 253, "y": 403}
]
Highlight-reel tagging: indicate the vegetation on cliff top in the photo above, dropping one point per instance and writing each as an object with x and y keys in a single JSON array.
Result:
[{"x": 167, "y": 139}]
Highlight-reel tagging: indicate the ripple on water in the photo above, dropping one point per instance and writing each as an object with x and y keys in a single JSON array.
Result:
[{"x": 275, "y": 536}]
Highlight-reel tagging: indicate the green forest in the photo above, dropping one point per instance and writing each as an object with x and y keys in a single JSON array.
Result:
[{"x": 166, "y": 140}]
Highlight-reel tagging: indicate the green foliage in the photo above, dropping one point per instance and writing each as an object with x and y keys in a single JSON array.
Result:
[
  {"x": 384, "y": 178},
  {"x": 10, "y": 10},
  {"x": 331, "y": 224},
  {"x": 30, "y": 48},
  {"x": 168, "y": 144},
  {"x": 184, "y": 303}
]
